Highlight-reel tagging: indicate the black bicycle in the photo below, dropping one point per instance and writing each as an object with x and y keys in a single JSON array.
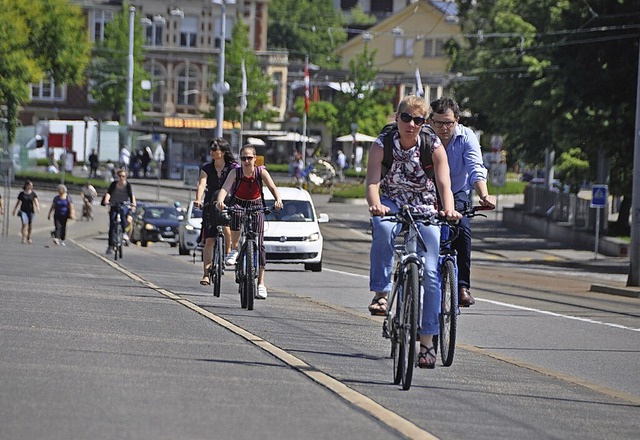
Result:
[
  {"x": 448, "y": 273},
  {"x": 403, "y": 311},
  {"x": 216, "y": 271},
  {"x": 247, "y": 261},
  {"x": 118, "y": 241}
]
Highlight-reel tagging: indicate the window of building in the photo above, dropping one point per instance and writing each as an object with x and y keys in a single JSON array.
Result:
[
  {"x": 403, "y": 47},
  {"x": 153, "y": 30},
  {"x": 276, "y": 94},
  {"x": 433, "y": 48},
  {"x": 381, "y": 6},
  {"x": 156, "y": 95},
  {"x": 187, "y": 86},
  {"x": 98, "y": 21},
  {"x": 227, "y": 30},
  {"x": 46, "y": 90},
  {"x": 347, "y": 5},
  {"x": 188, "y": 31}
]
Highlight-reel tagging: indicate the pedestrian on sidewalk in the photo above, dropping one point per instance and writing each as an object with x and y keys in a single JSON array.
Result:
[
  {"x": 93, "y": 164},
  {"x": 29, "y": 205},
  {"x": 467, "y": 173},
  {"x": 63, "y": 210}
]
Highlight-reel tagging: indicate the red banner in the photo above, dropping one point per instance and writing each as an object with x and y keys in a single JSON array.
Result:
[{"x": 60, "y": 140}]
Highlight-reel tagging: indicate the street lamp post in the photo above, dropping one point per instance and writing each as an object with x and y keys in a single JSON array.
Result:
[
  {"x": 221, "y": 88},
  {"x": 132, "y": 14}
]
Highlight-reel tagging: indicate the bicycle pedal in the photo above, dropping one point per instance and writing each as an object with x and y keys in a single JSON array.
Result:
[{"x": 385, "y": 331}]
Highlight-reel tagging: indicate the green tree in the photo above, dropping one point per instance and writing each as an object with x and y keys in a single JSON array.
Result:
[
  {"x": 259, "y": 85},
  {"x": 40, "y": 39},
  {"x": 571, "y": 168},
  {"x": 368, "y": 104},
  {"x": 306, "y": 27},
  {"x": 570, "y": 83},
  {"x": 109, "y": 67}
]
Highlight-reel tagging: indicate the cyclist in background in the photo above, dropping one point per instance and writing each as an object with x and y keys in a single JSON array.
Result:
[
  {"x": 407, "y": 183},
  {"x": 119, "y": 192},
  {"x": 467, "y": 172},
  {"x": 212, "y": 176},
  {"x": 245, "y": 187}
]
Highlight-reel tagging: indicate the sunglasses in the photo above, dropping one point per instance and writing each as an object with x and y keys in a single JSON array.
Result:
[
  {"x": 406, "y": 117},
  {"x": 243, "y": 158}
]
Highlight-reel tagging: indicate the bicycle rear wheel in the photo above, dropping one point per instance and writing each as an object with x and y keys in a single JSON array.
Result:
[
  {"x": 409, "y": 329},
  {"x": 217, "y": 265},
  {"x": 251, "y": 276},
  {"x": 448, "y": 313},
  {"x": 241, "y": 274},
  {"x": 117, "y": 250}
]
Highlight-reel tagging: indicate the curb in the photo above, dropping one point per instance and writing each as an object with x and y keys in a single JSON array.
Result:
[{"x": 629, "y": 292}]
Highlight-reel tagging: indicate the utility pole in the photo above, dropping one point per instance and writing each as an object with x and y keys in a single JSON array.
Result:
[
  {"x": 132, "y": 15},
  {"x": 221, "y": 87},
  {"x": 634, "y": 257}
]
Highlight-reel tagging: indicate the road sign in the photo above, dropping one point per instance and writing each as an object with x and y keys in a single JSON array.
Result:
[
  {"x": 599, "y": 195},
  {"x": 498, "y": 174}
]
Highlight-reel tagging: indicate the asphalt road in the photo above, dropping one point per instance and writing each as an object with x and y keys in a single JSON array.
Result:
[{"x": 137, "y": 349}]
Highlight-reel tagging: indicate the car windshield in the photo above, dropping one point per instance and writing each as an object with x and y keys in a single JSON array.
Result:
[
  {"x": 196, "y": 213},
  {"x": 293, "y": 211},
  {"x": 168, "y": 213}
]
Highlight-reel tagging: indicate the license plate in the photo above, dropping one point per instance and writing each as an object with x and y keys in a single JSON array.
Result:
[{"x": 284, "y": 249}]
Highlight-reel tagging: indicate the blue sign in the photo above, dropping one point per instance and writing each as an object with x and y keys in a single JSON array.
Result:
[{"x": 599, "y": 195}]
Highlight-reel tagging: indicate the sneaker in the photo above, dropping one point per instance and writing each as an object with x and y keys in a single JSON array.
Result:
[
  {"x": 109, "y": 250},
  {"x": 56, "y": 241},
  {"x": 125, "y": 237},
  {"x": 262, "y": 292},
  {"x": 231, "y": 258},
  {"x": 63, "y": 243}
]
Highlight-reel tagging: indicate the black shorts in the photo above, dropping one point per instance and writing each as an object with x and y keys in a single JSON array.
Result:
[{"x": 211, "y": 218}]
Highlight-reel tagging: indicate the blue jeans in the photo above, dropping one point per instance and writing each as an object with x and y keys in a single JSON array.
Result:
[{"x": 381, "y": 266}]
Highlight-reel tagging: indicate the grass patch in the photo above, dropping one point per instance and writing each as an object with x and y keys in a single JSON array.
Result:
[{"x": 51, "y": 179}]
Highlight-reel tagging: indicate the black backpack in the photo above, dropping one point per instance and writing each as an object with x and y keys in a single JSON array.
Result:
[{"x": 389, "y": 131}]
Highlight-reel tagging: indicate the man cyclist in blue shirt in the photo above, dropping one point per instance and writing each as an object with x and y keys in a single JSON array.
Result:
[{"x": 467, "y": 173}]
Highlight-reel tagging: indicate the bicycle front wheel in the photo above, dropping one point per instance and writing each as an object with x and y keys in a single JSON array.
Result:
[
  {"x": 448, "y": 313},
  {"x": 395, "y": 324},
  {"x": 409, "y": 329},
  {"x": 251, "y": 275},
  {"x": 217, "y": 265}
]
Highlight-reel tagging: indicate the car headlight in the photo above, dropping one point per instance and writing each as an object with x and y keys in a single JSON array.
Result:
[
  {"x": 149, "y": 227},
  {"x": 314, "y": 237},
  {"x": 189, "y": 228}
]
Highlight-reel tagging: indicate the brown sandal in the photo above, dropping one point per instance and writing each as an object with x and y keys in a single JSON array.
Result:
[
  {"x": 204, "y": 281},
  {"x": 378, "y": 306},
  {"x": 427, "y": 359}
]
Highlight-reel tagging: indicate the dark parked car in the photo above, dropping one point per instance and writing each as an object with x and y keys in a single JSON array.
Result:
[{"x": 156, "y": 223}]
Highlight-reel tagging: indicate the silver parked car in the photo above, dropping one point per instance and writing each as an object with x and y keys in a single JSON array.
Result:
[{"x": 189, "y": 230}]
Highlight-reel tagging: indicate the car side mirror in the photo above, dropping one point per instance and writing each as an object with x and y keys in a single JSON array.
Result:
[{"x": 323, "y": 218}]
